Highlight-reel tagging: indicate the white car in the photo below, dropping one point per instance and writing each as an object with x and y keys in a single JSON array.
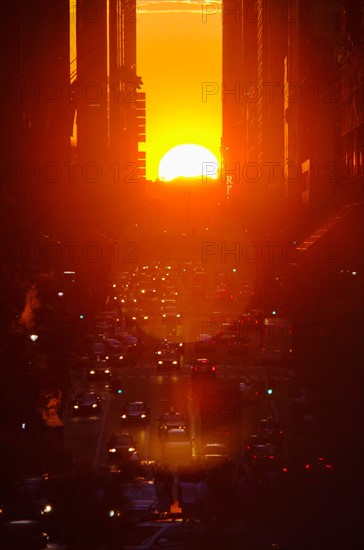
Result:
[{"x": 215, "y": 454}]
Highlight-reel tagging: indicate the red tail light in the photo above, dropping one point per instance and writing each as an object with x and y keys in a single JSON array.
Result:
[
  {"x": 271, "y": 456},
  {"x": 285, "y": 470},
  {"x": 281, "y": 432},
  {"x": 247, "y": 447},
  {"x": 307, "y": 466},
  {"x": 255, "y": 456},
  {"x": 320, "y": 458},
  {"x": 195, "y": 369},
  {"x": 213, "y": 368}
]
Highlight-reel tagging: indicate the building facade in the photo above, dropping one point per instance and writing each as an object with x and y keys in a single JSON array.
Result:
[
  {"x": 287, "y": 68},
  {"x": 73, "y": 113}
]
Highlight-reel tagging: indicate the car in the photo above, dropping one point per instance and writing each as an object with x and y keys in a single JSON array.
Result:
[
  {"x": 270, "y": 428},
  {"x": 135, "y": 411},
  {"x": 171, "y": 532},
  {"x": 100, "y": 371},
  {"x": 169, "y": 346},
  {"x": 170, "y": 421},
  {"x": 169, "y": 311},
  {"x": 312, "y": 467},
  {"x": 23, "y": 533},
  {"x": 205, "y": 343},
  {"x": 215, "y": 454},
  {"x": 250, "y": 392},
  {"x": 203, "y": 367},
  {"x": 223, "y": 294},
  {"x": 268, "y": 464},
  {"x": 29, "y": 498},
  {"x": 139, "y": 498},
  {"x": 260, "y": 446},
  {"x": 170, "y": 314},
  {"x": 98, "y": 351},
  {"x": 113, "y": 345},
  {"x": 121, "y": 448},
  {"x": 86, "y": 403},
  {"x": 168, "y": 359},
  {"x": 236, "y": 345}
]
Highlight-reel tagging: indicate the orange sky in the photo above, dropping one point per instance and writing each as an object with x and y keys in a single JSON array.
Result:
[{"x": 179, "y": 49}]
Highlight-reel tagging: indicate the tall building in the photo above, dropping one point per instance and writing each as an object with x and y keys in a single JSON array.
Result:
[
  {"x": 254, "y": 49},
  {"x": 351, "y": 130},
  {"x": 111, "y": 116},
  {"x": 73, "y": 113},
  {"x": 286, "y": 65},
  {"x": 37, "y": 117},
  {"x": 231, "y": 90},
  {"x": 312, "y": 114}
]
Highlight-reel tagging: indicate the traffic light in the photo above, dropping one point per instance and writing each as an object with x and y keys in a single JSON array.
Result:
[{"x": 269, "y": 391}]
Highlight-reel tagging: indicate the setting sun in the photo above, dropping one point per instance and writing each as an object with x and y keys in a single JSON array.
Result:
[
  {"x": 179, "y": 52},
  {"x": 188, "y": 161}
]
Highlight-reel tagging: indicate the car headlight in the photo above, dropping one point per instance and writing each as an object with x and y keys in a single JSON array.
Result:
[
  {"x": 160, "y": 362},
  {"x": 143, "y": 415},
  {"x": 131, "y": 449},
  {"x": 94, "y": 405},
  {"x": 112, "y": 450},
  {"x": 92, "y": 372},
  {"x": 106, "y": 357},
  {"x": 174, "y": 362},
  {"x": 164, "y": 315},
  {"x": 178, "y": 315},
  {"x": 107, "y": 371},
  {"x": 47, "y": 508},
  {"x": 123, "y": 416},
  {"x": 75, "y": 406}
]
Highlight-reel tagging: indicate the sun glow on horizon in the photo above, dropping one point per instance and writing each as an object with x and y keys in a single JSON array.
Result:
[
  {"x": 188, "y": 161},
  {"x": 177, "y": 52}
]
